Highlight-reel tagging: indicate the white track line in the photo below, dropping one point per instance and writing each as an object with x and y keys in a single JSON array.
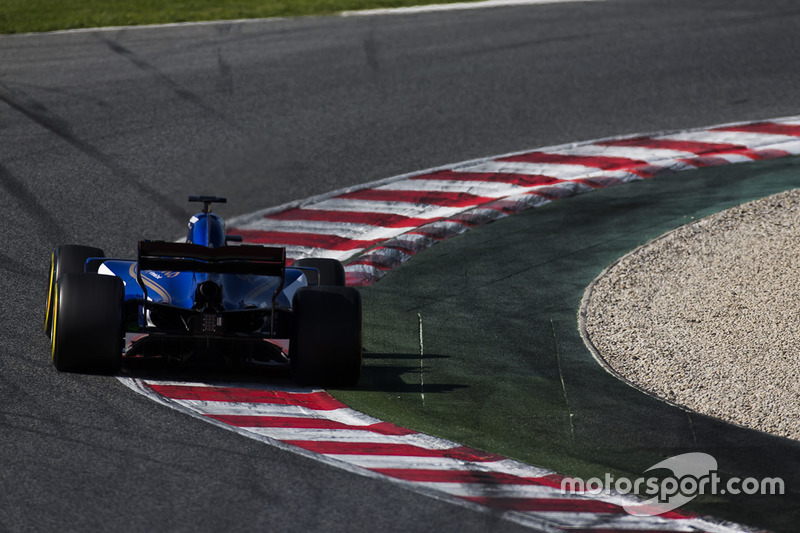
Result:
[{"x": 457, "y": 6}]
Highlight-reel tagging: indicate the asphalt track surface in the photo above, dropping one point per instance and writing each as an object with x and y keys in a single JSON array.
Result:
[{"x": 104, "y": 134}]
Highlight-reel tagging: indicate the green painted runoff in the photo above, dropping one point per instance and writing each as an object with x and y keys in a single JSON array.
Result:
[{"x": 476, "y": 340}]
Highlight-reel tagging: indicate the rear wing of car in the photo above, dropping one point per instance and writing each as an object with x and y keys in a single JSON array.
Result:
[
  {"x": 186, "y": 257},
  {"x": 177, "y": 256}
]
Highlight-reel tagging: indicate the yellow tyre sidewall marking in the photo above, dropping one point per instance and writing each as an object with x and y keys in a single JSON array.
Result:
[
  {"x": 55, "y": 322},
  {"x": 50, "y": 290}
]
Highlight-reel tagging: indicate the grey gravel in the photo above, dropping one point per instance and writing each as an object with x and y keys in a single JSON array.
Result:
[{"x": 706, "y": 316}]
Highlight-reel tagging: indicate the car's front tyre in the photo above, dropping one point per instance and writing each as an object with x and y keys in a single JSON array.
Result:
[{"x": 328, "y": 271}]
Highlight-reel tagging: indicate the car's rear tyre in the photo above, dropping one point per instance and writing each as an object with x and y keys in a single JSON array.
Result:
[
  {"x": 66, "y": 259},
  {"x": 87, "y": 331},
  {"x": 331, "y": 271},
  {"x": 325, "y": 346}
]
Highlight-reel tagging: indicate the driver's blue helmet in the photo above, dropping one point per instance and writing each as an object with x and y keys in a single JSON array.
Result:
[{"x": 199, "y": 233}]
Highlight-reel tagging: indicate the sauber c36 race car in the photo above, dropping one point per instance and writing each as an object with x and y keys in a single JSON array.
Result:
[{"x": 204, "y": 300}]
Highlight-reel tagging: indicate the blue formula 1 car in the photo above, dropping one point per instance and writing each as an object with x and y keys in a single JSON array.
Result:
[{"x": 201, "y": 300}]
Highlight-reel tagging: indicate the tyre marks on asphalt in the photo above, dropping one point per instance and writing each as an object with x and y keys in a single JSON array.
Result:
[
  {"x": 39, "y": 114},
  {"x": 380, "y": 225},
  {"x": 310, "y": 420},
  {"x": 30, "y": 204},
  {"x": 176, "y": 88}
]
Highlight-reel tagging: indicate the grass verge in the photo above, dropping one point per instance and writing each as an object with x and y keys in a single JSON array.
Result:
[{"x": 22, "y": 16}]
